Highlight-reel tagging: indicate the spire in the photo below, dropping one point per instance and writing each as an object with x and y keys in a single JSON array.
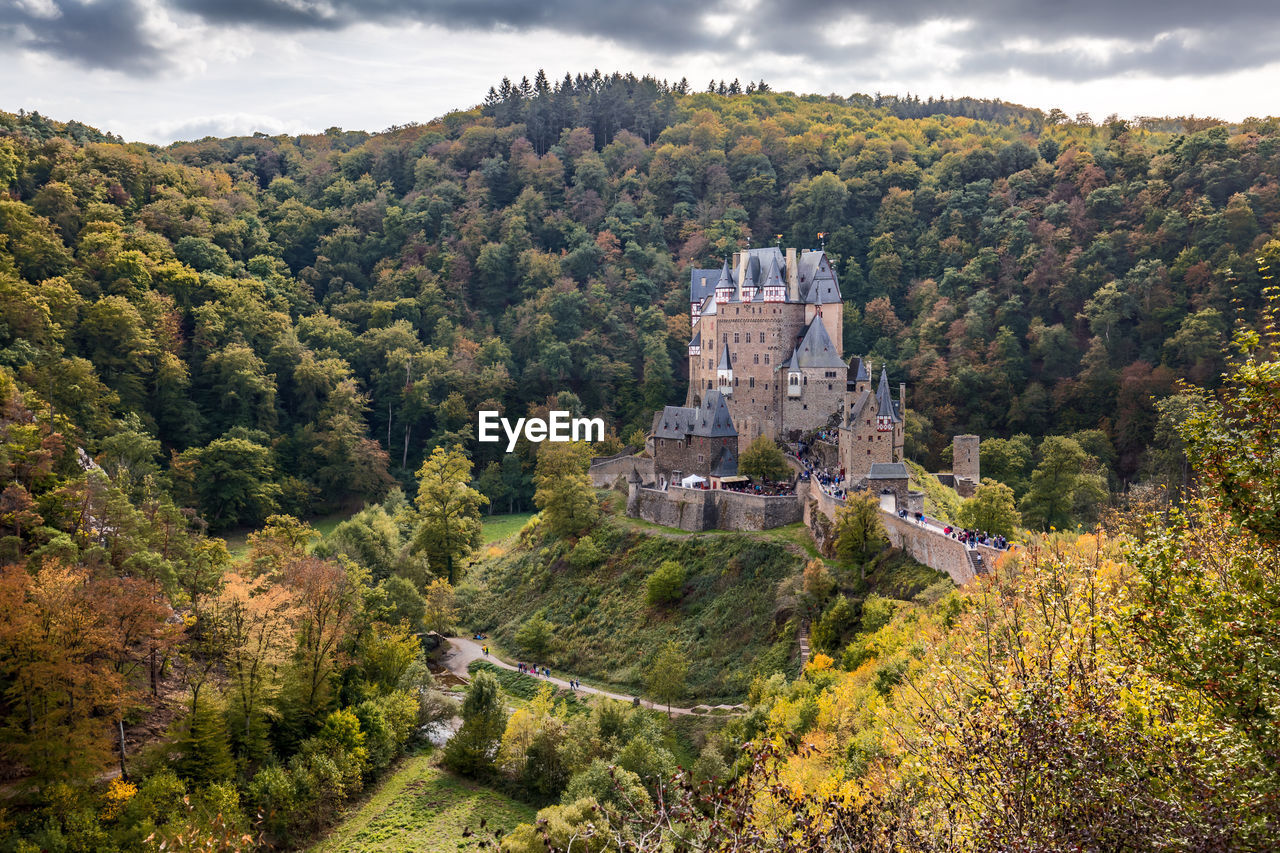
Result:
[
  {"x": 724, "y": 360},
  {"x": 725, "y": 285},
  {"x": 885, "y": 399},
  {"x": 863, "y": 372}
]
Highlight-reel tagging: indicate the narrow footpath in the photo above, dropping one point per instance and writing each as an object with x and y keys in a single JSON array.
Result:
[{"x": 463, "y": 650}]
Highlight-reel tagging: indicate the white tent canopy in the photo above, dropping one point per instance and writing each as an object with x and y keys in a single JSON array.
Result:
[{"x": 693, "y": 480}]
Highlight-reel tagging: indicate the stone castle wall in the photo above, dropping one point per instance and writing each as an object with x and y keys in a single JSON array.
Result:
[
  {"x": 697, "y": 510},
  {"x": 605, "y": 472},
  {"x": 925, "y": 546},
  {"x": 930, "y": 548}
]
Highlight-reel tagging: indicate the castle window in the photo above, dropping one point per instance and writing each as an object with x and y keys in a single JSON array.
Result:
[
  {"x": 766, "y": 358},
  {"x": 726, "y": 337},
  {"x": 751, "y": 382},
  {"x": 700, "y": 456},
  {"x": 762, "y": 337},
  {"x": 735, "y": 337},
  {"x": 868, "y": 453},
  {"x": 828, "y": 386},
  {"x": 757, "y": 357},
  {"x": 805, "y": 407}
]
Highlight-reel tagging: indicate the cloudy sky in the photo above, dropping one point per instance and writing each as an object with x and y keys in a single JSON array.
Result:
[{"x": 160, "y": 70}]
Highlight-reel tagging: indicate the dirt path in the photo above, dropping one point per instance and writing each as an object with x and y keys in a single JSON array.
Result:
[{"x": 462, "y": 651}]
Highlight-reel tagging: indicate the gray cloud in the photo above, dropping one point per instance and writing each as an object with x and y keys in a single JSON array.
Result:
[
  {"x": 102, "y": 34},
  {"x": 1159, "y": 37}
]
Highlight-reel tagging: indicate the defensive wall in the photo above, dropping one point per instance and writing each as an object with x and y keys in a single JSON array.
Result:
[
  {"x": 924, "y": 544},
  {"x": 605, "y": 470},
  {"x": 697, "y": 510}
]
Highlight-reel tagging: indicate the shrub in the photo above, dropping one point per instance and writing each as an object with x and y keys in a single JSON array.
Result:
[
  {"x": 666, "y": 584},
  {"x": 831, "y": 627},
  {"x": 586, "y": 554},
  {"x": 534, "y": 636}
]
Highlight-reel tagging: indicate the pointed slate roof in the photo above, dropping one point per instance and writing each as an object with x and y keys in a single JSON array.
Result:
[
  {"x": 816, "y": 349},
  {"x": 773, "y": 276},
  {"x": 855, "y": 410},
  {"x": 674, "y": 422},
  {"x": 817, "y": 280},
  {"x": 726, "y": 278},
  {"x": 726, "y": 464},
  {"x": 861, "y": 369},
  {"x": 885, "y": 399},
  {"x": 697, "y": 339},
  {"x": 725, "y": 362},
  {"x": 713, "y": 419},
  {"x": 748, "y": 282}
]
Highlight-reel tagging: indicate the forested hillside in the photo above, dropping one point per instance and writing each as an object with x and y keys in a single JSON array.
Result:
[{"x": 315, "y": 313}]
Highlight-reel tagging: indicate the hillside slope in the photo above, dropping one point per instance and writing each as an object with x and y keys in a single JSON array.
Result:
[{"x": 730, "y": 618}]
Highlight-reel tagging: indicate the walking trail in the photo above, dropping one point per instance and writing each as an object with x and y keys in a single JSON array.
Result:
[{"x": 462, "y": 651}]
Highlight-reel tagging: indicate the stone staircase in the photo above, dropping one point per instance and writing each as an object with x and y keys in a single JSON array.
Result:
[{"x": 803, "y": 640}]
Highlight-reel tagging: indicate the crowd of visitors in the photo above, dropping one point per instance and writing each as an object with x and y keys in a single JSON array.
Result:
[
  {"x": 538, "y": 671},
  {"x": 972, "y": 538},
  {"x": 764, "y": 487},
  {"x": 832, "y": 480}
]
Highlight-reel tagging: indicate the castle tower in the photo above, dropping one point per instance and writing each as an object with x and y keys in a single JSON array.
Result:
[{"x": 964, "y": 463}]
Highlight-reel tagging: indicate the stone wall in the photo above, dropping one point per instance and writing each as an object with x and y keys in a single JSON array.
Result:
[
  {"x": 930, "y": 548},
  {"x": 712, "y": 509},
  {"x": 605, "y": 472},
  {"x": 924, "y": 545}
]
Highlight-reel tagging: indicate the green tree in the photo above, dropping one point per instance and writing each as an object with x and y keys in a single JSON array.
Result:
[
  {"x": 991, "y": 509},
  {"x": 473, "y": 749},
  {"x": 835, "y": 624},
  {"x": 858, "y": 529},
  {"x": 448, "y": 510},
  {"x": 667, "y": 674},
  {"x": 534, "y": 636},
  {"x": 666, "y": 584},
  {"x": 235, "y": 480},
  {"x": 1009, "y": 461},
  {"x": 1064, "y": 487},
  {"x": 1236, "y": 443},
  {"x": 564, "y": 491},
  {"x": 763, "y": 460}
]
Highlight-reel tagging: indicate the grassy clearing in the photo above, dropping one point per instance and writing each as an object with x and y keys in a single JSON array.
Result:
[
  {"x": 604, "y": 632},
  {"x": 495, "y": 527},
  {"x": 422, "y": 809}
]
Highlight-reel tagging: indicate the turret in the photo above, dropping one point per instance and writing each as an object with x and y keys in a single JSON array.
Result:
[
  {"x": 725, "y": 286},
  {"x": 724, "y": 372},
  {"x": 885, "y": 416}
]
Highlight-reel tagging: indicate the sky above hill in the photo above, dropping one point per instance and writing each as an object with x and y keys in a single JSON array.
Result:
[{"x": 160, "y": 70}]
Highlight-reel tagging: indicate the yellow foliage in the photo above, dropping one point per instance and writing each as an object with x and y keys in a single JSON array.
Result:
[
  {"x": 819, "y": 663},
  {"x": 117, "y": 795}
]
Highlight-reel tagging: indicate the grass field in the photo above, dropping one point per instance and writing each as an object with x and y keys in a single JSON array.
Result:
[
  {"x": 495, "y": 527},
  {"x": 423, "y": 809}
]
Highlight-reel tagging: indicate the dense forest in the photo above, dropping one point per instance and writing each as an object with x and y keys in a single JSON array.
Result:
[{"x": 317, "y": 312}]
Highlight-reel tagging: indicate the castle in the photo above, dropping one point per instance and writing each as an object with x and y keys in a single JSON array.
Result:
[
  {"x": 766, "y": 358},
  {"x": 766, "y": 354}
]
